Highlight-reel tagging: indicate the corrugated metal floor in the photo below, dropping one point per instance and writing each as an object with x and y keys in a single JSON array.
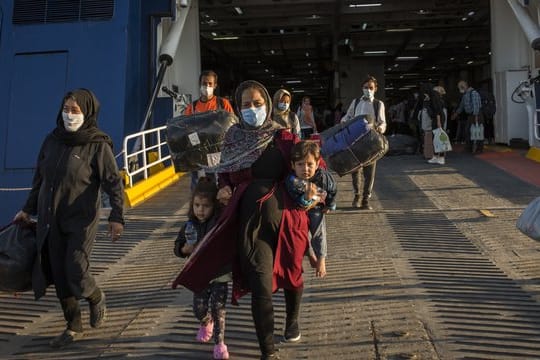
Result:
[{"x": 423, "y": 276}]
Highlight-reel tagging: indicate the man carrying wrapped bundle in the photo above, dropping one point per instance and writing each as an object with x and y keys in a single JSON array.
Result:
[{"x": 366, "y": 105}]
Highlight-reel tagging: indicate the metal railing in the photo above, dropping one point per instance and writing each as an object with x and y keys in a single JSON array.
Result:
[{"x": 138, "y": 163}]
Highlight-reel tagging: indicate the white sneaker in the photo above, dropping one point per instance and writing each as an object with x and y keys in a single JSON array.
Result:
[
  {"x": 433, "y": 160},
  {"x": 441, "y": 160}
]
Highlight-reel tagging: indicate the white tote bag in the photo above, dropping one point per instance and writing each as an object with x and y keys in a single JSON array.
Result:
[
  {"x": 477, "y": 131},
  {"x": 529, "y": 221},
  {"x": 441, "y": 141}
]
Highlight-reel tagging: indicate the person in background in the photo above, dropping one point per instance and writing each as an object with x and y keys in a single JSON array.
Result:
[
  {"x": 432, "y": 109},
  {"x": 338, "y": 113},
  {"x": 282, "y": 114},
  {"x": 75, "y": 163},
  {"x": 307, "y": 118},
  {"x": 470, "y": 105},
  {"x": 367, "y": 104},
  {"x": 208, "y": 304},
  {"x": 208, "y": 101}
]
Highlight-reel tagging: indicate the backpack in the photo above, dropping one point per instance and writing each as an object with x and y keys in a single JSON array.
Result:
[
  {"x": 376, "y": 106},
  {"x": 488, "y": 104},
  {"x": 220, "y": 104}
]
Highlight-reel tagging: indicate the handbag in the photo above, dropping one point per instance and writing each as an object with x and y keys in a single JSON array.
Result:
[
  {"x": 529, "y": 221},
  {"x": 441, "y": 141}
]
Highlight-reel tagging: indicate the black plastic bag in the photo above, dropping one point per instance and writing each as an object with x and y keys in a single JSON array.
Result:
[
  {"x": 196, "y": 140},
  {"x": 17, "y": 254}
]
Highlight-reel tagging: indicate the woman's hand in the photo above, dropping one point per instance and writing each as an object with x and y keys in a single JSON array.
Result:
[
  {"x": 22, "y": 217},
  {"x": 116, "y": 230},
  {"x": 224, "y": 194}
]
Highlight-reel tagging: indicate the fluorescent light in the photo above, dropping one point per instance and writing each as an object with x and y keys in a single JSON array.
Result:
[
  {"x": 469, "y": 62},
  {"x": 399, "y": 30},
  {"x": 388, "y": 88},
  {"x": 464, "y": 18},
  {"x": 364, "y": 5},
  {"x": 452, "y": 58},
  {"x": 407, "y": 58},
  {"x": 282, "y": 31},
  {"x": 214, "y": 33},
  {"x": 421, "y": 45},
  {"x": 293, "y": 81},
  {"x": 238, "y": 10},
  {"x": 298, "y": 91},
  {"x": 375, "y": 52},
  {"x": 272, "y": 51},
  {"x": 227, "y": 38},
  {"x": 307, "y": 54},
  {"x": 471, "y": 13},
  {"x": 364, "y": 26}
]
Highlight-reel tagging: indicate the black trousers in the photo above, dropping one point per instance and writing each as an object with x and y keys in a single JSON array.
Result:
[{"x": 368, "y": 173}]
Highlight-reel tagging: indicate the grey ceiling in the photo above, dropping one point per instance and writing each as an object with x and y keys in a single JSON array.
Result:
[{"x": 280, "y": 40}]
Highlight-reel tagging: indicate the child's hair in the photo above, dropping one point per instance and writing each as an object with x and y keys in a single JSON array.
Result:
[
  {"x": 304, "y": 148},
  {"x": 205, "y": 188}
]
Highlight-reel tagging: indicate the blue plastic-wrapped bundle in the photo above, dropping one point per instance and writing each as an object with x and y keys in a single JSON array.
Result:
[{"x": 348, "y": 146}]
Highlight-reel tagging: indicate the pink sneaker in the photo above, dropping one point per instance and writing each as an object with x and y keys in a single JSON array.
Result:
[
  {"x": 220, "y": 351},
  {"x": 205, "y": 332}
]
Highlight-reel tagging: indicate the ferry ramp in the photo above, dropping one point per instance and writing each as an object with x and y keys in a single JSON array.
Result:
[{"x": 436, "y": 271}]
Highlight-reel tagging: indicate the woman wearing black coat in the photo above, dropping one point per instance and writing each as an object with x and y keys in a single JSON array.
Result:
[{"x": 75, "y": 162}]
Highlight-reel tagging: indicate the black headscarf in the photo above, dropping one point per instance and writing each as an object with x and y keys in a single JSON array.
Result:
[{"x": 88, "y": 132}]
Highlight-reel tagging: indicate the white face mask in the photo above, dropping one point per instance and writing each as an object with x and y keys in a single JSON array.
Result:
[
  {"x": 282, "y": 106},
  {"x": 207, "y": 91},
  {"x": 72, "y": 122},
  {"x": 368, "y": 93}
]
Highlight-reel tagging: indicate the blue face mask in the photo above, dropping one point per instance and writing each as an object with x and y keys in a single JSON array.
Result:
[{"x": 254, "y": 116}]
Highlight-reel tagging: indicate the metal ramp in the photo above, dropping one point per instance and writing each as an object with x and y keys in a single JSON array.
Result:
[{"x": 423, "y": 276}]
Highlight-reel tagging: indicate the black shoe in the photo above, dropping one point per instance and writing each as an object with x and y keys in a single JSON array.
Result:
[
  {"x": 98, "y": 312},
  {"x": 356, "y": 201},
  {"x": 292, "y": 333},
  {"x": 365, "y": 205},
  {"x": 65, "y": 338}
]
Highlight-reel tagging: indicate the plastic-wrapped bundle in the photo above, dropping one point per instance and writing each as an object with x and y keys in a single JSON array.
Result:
[
  {"x": 529, "y": 221},
  {"x": 17, "y": 254},
  {"x": 401, "y": 144},
  {"x": 348, "y": 146},
  {"x": 196, "y": 140}
]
